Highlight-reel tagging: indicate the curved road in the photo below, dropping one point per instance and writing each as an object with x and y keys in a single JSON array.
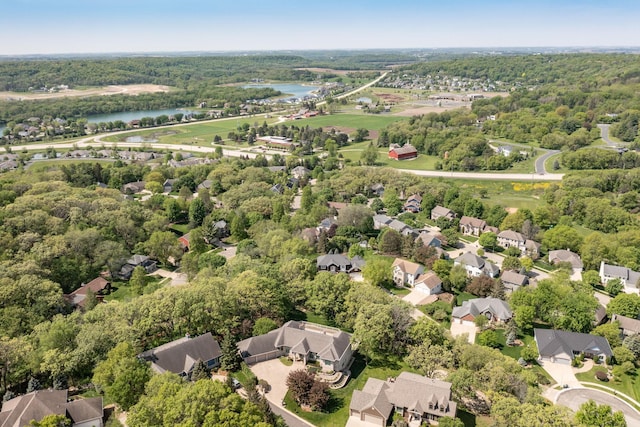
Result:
[
  {"x": 604, "y": 134},
  {"x": 573, "y": 398},
  {"x": 540, "y": 161}
]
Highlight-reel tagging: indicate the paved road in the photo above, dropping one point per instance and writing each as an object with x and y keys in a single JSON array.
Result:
[
  {"x": 289, "y": 419},
  {"x": 540, "y": 168},
  {"x": 491, "y": 176},
  {"x": 604, "y": 134},
  {"x": 573, "y": 398}
]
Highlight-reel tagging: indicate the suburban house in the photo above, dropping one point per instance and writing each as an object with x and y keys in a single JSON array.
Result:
[
  {"x": 429, "y": 239},
  {"x": 440, "y": 211},
  {"x": 628, "y": 326},
  {"x": 413, "y": 203},
  {"x": 300, "y": 172},
  {"x": 180, "y": 356},
  {"x": 565, "y": 255},
  {"x": 326, "y": 224},
  {"x": 513, "y": 281},
  {"x": 301, "y": 341},
  {"x": 207, "y": 183},
  {"x": 510, "y": 238},
  {"x": 628, "y": 277},
  {"x": 414, "y": 397},
  {"x": 476, "y": 265},
  {"x": 406, "y": 272},
  {"x": 429, "y": 283},
  {"x": 406, "y": 152},
  {"x": 494, "y": 309},
  {"x": 380, "y": 221},
  {"x": 377, "y": 190},
  {"x": 185, "y": 241},
  {"x": 99, "y": 286},
  {"x": 401, "y": 227},
  {"x": 167, "y": 185},
  {"x": 21, "y": 410},
  {"x": 133, "y": 187},
  {"x": 563, "y": 346},
  {"x": 338, "y": 263},
  {"x": 127, "y": 269},
  {"x": 474, "y": 226}
]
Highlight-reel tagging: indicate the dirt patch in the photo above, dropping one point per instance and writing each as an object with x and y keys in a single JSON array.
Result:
[
  {"x": 109, "y": 90},
  {"x": 511, "y": 210},
  {"x": 409, "y": 112},
  {"x": 326, "y": 70},
  {"x": 389, "y": 97},
  {"x": 373, "y": 134}
]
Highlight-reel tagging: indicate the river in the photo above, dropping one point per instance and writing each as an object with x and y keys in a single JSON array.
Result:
[{"x": 127, "y": 116}]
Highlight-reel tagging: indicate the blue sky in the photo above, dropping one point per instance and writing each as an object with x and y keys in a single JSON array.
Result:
[{"x": 88, "y": 26}]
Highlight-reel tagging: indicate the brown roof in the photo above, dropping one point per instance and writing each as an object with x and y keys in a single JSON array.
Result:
[
  {"x": 474, "y": 222},
  {"x": 36, "y": 405},
  {"x": 430, "y": 280},
  {"x": 405, "y": 149},
  {"x": 511, "y": 235},
  {"x": 406, "y": 266}
]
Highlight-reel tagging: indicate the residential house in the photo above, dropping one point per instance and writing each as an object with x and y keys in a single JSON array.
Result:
[
  {"x": 475, "y": 227},
  {"x": 127, "y": 269},
  {"x": 377, "y": 190},
  {"x": 406, "y": 152},
  {"x": 327, "y": 223},
  {"x": 494, "y": 309},
  {"x": 277, "y": 188},
  {"x": 510, "y": 238},
  {"x": 600, "y": 316},
  {"x": 563, "y": 346},
  {"x": 413, "y": 203},
  {"x": 565, "y": 255},
  {"x": 21, "y": 410},
  {"x": 628, "y": 277},
  {"x": 628, "y": 326},
  {"x": 301, "y": 341},
  {"x": 276, "y": 169},
  {"x": 513, "y": 281},
  {"x": 167, "y": 185},
  {"x": 476, "y": 265},
  {"x": 182, "y": 355},
  {"x": 429, "y": 239},
  {"x": 338, "y": 263},
  {"x": 401, "y": 228},
  {"x": 440, "y": 212},
  {"x": 99, "y": 286},
  {"x": 380, "y": 221},
  {"x": 505, "y": 150},
  {"x": 300, "y": 172},
  {"x": 207, "y": 183},
  {"x": 185, "y": 241},
  {"x": 133, "y": 187},
  {"x": 406, "y": 272},
  {"x": 429, "y": 283},
  {"x": 416, "y": 398}
]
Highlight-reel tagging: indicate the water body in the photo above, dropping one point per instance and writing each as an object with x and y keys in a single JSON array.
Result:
[
  {"x": 364, "y": 100},
  {"x": 127, "y": 116},
  {"x": 295, "y": 90},
  {"x": 139, "y": 139}
]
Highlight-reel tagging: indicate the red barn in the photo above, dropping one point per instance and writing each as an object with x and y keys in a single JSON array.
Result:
[{"x": 405, "y": 152}]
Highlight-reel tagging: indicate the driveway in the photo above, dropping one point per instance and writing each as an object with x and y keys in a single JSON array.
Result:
[
  {"x": 416, "y": 297},
  {"x": 562, "y": 374},
  {"x": 458, "y": 329},
  {"x": 177, "y": 279},
  {"x": 573, "y": 398},
  {"x": 275, "y": 373}
]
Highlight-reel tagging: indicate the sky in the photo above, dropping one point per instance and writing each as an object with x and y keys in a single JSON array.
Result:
[{"x": 103, "y": 26}]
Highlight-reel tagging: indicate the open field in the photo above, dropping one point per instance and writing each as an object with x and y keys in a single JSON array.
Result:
[
  {"x": 350, "y": 120},
  {"x": 98, "y": 91}
]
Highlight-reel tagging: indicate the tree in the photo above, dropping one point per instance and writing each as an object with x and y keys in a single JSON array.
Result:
[
  {"x": 632, "y": 342},
  {"x": 238, "y": 226},
  {"x": 377, "y": 205},
  {"x": 373, "y": 331},
  {"x": 200, "y": 371},
  {"x": 319, "y": 395},
  {"x": 623, "y": 354},
  {"x": 369, "y": 155},
  {"x": 488, "y": 240},
  {"x": 378, "y": 272},
  {"x": 524, "y": 316},
  {"x": 230, "y": 359},
  {"x": 481, "y": 286},
  {"x": 138, "y": 280},
  {"x": 53, "y": 420},
  {"x": 611, "y": 331},
  {"x": 428, "y": 359},
  {"x": 122, "y": 376},
  {"x": 392, "y": 202},
  {"x": 264, "y": 325},
  {"x": 450, "y": 422},
  {"x": 625, "y": 305},
  {"x": 590, "y": 414},
  {"x": 163, "y": 245},
  {"x": 390, "y": 242},
  {"x": 458, "y": 278},
  {"x": 614, "y": 287},
  {"x": 511, "y": 263},
  {"x": 33, "y": 385},
  {"x": 529, "y": 353},
  {"x": 91, "y": 300},
  {"x": 197, "y": 212},
  {"x": 489, "y": 338},
  {"x": 300, "y": 383}
]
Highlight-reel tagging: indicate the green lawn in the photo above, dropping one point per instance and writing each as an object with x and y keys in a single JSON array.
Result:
[
  {"x": 45, "y": 165},
  {"x": 627, "y": 384},
  {"x": 338, "y": 412},
  {"x": 244, "y": 375},
  {"x": 121, "y": 291},
  {"x": 400, "y": 291},
  {"x": 464, "y": 296},
  {"x": 351, "y": 120},
  {"x": 514, "y": 352}
]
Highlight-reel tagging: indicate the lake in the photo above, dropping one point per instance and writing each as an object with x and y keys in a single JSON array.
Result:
[
  {"x": 127, "y": 116},
  {"x": 295, "y": 90}
]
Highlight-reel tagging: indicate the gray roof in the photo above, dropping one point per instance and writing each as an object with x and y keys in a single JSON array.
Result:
[
  {"x": 471, "y": 260},
  {"x": 408, "y": 390},
  {"x": 442, "y": 211},
  {"x": 137, "y": 259},
  {"x": 428, "y": 239},
  {"x": 333, "y": 259},
  {"x": 551, "y": 342},
  {"x": 474, "y": 222},
  {"x": 328, "y": 343},
  {"x": 512, "y": 277},
  {"x": 181, "y": 355},
  {"x": 564, "y": 255},
  {"x": 399, "y": 226},
  {"x": 382, "y": 219},
  {"x": 627, "y": 323},
  {"x": 511, "y": 235},
  {"x": 475, "y": 307},
  {"x": 19, "y": 411},
  {"x": 629, "y": 276}
]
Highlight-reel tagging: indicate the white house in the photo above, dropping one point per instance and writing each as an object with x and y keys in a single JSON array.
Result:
[
  {"x": 628, "y": 277},
  {"x": 406, "y": 272}
]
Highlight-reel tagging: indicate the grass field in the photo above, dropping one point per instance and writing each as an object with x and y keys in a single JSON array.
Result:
[
  {"x": 45, "y": 165},
  {"x": 351, "y": 120},
  {"x": 423, "y": 162},
  {"x": 628, "y": 384}
]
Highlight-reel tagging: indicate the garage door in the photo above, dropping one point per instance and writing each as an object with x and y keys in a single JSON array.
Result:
[
  {"x": 562, "y": 360},
  {"x": 374, "y": 419}
]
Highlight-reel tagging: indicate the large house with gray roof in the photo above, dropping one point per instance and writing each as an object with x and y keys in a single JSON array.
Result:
[
  {"x": 338, "y": 263},
  {"x": 627, "y": 276},
  {"x": 476, "y": 266},
  {"x": 414, "y": 397},
  {"x": 180, "y": 356},
  {"x": 21, "y": 410},
  {"x": 563, "y": 346},
  {"x": 301, "y": 341},
  {"x": 494, "y": 309}
]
